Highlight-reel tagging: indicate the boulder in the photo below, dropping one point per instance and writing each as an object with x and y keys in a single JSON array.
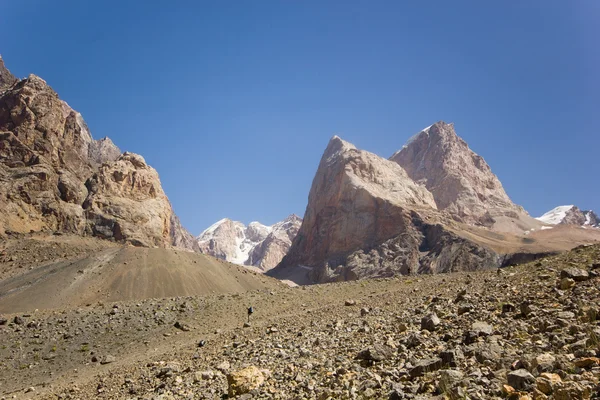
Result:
[
  {"x": 245, "y": 380},
  {"x": 521, "y": 379}
]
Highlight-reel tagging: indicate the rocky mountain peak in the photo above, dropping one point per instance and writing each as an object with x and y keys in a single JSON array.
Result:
[
  {"x": 460, "y": 180},
  {"x": 357, "y": 201},
  {"x": 254, "y": 245},
  {"x": 6, "y": 78}
]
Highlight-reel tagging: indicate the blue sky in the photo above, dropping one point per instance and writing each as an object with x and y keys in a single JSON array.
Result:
[{"x": 233, "y": 102}]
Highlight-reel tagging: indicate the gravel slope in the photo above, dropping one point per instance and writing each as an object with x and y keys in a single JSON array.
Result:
[{"x": 520, "y": 333}]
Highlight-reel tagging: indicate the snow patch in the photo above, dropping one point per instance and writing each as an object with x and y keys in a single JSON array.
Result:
[
  {"x": 555, "y": 216},
  {"x": 546, "y": 227}
]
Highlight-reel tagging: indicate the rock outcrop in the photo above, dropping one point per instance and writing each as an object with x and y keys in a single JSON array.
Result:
[
  {"x": 55, "y": 177},
  {"x": 366, "y": 218},
  {"x": 461, "y": 182},
  {"x": 254, "y": 245},
  {"x": 6, "y": 78},
  {"x": 571, "y": 215},
  {"x": 103, "y": 150}
]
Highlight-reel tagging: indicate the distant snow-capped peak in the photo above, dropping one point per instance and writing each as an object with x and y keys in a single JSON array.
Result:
[
  {"x": 556, "y": 215},
  {"x": 571, "y": 215},
  {"x": 257, "y": 245}
]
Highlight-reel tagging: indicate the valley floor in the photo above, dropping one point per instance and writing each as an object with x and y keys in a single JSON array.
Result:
[{"x": 525, "y": 329}]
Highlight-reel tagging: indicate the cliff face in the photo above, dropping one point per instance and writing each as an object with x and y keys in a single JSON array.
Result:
[{"x": 55, "y": 177}]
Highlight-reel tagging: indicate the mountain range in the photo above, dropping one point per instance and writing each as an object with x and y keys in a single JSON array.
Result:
[
  {"x": 255, "y": 245},
  {"x": 433, "y": 206},
  {"x": 571, "y": 215}
]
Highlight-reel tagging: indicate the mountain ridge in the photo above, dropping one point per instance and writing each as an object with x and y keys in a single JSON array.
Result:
[
  {"x": 254, "y": 245},
  {"x": 367, "y": 217},
  {"x": 571, "y": 215}
]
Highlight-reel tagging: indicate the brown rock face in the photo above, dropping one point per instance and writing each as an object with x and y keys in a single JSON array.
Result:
[
  {"x": 103, "y": 150},
  {"x": 267, "y": 254},
  {"x": 366, "y": 218},
  {"x": 461, "y": 182},
  {"x": 55, "y": 177}
]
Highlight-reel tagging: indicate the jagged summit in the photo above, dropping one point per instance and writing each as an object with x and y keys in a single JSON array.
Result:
[
  {"x": 460, "y": 180},
  {"x": 254, "y": 245}
]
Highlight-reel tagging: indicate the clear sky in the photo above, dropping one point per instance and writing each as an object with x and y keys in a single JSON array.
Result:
[{"x": 233, "y": 102}]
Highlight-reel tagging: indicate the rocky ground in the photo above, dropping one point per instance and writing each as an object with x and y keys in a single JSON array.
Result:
[{"x": 529, "y": 331}]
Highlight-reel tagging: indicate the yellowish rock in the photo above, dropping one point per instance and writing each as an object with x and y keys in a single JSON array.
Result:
[{"x": 245, "y": 380}]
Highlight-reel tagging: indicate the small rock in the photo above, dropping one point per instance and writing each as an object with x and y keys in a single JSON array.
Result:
[
  {"x": 451, "y": 376},
  {"x": 181, "y": 326},
  {"x": 482, "y": 328},
  {"x": 350, "y": 302},
  {"x": 223, "y": 367},
  {"x": 571, "y": 391},
  {"x": 520, "y": 379},
  {"x": 18, "y": 320},
  {"x": 544, "y": 362},
  {"x": 377, "y": 352},
  {"x": 203, "y": 376},
  {"x": 107, "y": 359},
  {"x": 546, "y": 382},
  {"x": 566, "y": 315},
  {"x": 245, "y": 380},
  {"x": 430, "y": 322},
  {"x": 450, "y": 358},
  {"x": 508, "y": 307},
  {"x": 425, "y": 365},
  {"x": 465, "y": 308},
  {"x": 566, "y": 283},
  {"x": 577, "y": 274},
  {"x": 586, "y": 362}
]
